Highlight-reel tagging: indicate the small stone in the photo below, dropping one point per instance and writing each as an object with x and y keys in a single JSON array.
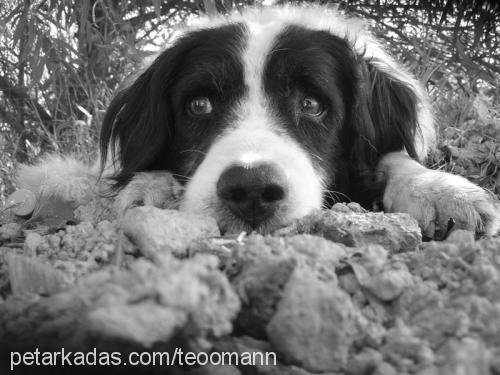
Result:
[
  {"x": 10, "y": 230},
  {"x": 340, "y": 207},
  {"x": 128, "y": 322},
  {"x": 30, "y": 275},
  {"x": 364, "y": 362},
  {"x": 400, "y": 342},
  {"x": 355, "y": 207},
  {"x": 349, "y": 283},
  {"x": 31, "y": 243},
  {"x": 388, "y": 285},
  {"x": 466, "y": 356},
  {"x": 385, "y": 369},
  {"x": 373, "y": 258},
  {"x": 460, "y": 237},
  {"x": 22, "y": 202},
  {"x": 260, "y": 289}
]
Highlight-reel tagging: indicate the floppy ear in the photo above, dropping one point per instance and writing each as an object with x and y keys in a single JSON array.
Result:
[
  {"x": 385, "y": 117},
  {"x": 138, "y": 125}
]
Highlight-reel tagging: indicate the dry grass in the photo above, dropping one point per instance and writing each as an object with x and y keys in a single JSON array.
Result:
[{"x": 469, "y": 136}]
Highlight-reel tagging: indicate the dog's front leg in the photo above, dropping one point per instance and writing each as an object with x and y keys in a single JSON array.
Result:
[
  {"x": 434, "y": 197},
  {"x": 156, "y": 188}
]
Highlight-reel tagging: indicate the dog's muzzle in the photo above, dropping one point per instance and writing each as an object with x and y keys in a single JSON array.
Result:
[{"x": 253, "y": 193}]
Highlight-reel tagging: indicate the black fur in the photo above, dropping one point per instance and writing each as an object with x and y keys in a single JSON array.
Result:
[
  {"x": 148, "y": 121},
  {"x": 367, "y": 112},
  {"x": 384, "y": 119}
]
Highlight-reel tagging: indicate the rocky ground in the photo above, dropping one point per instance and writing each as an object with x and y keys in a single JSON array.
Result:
[{"x": 339, "y": 292}]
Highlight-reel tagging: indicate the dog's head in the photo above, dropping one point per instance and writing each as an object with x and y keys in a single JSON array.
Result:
[{"x": 265, "y": 116}]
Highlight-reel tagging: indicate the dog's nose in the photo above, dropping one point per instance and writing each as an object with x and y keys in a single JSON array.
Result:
[{"x": 253, "y": 194}]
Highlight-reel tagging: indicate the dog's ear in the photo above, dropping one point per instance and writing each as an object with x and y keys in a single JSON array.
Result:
[
  {"x": 385, "y": 117},
  {"x": 138, "y": 126}
]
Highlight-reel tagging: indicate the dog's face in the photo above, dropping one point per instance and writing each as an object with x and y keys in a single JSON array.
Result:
[{"x": 262, "y": 120}]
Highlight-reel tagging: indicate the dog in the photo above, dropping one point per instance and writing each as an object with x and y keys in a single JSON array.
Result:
[{"x": 265, "y": 115}]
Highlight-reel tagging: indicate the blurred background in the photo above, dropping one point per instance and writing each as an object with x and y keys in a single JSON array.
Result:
[{"x": 61, "y": 61}]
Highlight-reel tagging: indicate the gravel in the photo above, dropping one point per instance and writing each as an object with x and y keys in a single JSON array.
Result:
[{"x": 337, "y": 292}]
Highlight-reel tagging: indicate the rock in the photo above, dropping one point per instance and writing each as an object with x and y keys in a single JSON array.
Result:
[
  {"x": 385, "y": 369},
  {"x": 389, "y": 284},
  {"x": 10, "y": 230},
  {"x": 21, "y": 202},
  {"x": 461, "y": 236},
  {"x": 495, "y": 361},
  {"x": 400, "y": 342},
  {"x": 32, "y": 241},
  {"x": 222, "y": 247},
  {"x": 30, "y": 275},
  {"x": 157, "y": 231},
  {"x": 428, "y": 370},
  {"x": 383, "y": 278},
  {"x": 365, "y": 362},
  {"x": 144, "y": 323},
  {"x": 349, "y": 207},
  {"x": 262, "y": 266},
  {"x": 373, "y": 258},
  {"x": 466, "y": 356},
  {"x": 318, "y": 253},
  {"x": 349, "y": 282},
  {"x": 395, "y": 232},
  {"x": 189, "y": 300},
  {"x": 314, "y": 324},
  {"x": 260, "y": 289},
  {"x": 78, "y": 250}
]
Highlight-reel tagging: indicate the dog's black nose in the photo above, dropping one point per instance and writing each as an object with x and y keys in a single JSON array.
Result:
[{"x": 253, "y": 194}]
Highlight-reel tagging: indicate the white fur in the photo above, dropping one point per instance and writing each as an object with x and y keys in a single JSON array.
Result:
[
  {"x": 65, "y": 177},
  {"x": 249, "y": 146},
  {"x": 433, "y": 197},
  {"x": 256, "y": 138}
]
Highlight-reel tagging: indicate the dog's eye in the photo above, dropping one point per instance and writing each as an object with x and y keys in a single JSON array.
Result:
[
  {"x": 200, "y": 106},
  {"x": 311, "y": 106}
]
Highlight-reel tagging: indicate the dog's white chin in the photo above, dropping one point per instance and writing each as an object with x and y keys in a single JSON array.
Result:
[{"x": 251, "y": 147}]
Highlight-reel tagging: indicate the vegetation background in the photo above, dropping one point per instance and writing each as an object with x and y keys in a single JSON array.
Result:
[{"x": 61, "y": 61}]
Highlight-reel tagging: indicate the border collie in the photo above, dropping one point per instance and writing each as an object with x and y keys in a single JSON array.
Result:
[{"x": 269, "y": 114}]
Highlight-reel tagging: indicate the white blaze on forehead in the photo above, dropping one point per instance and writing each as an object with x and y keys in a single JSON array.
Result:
[
  {"x": 256, "y": 137},
  {"x": 261, "y": 38}
]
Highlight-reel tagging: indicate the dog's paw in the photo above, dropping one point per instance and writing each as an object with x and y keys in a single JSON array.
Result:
[
  {"x": 439, "y": 201},
  {"x": 159, "y": 189}
]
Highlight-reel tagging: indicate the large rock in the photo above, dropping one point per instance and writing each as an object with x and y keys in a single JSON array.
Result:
[
  {"x": 157, "y": 231},
  {"x": 314, "y": 324},
  {"x": 122, "y": 309},
  {"x": 262, "y": 267},
  {"x": 395, "y": 232}
]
